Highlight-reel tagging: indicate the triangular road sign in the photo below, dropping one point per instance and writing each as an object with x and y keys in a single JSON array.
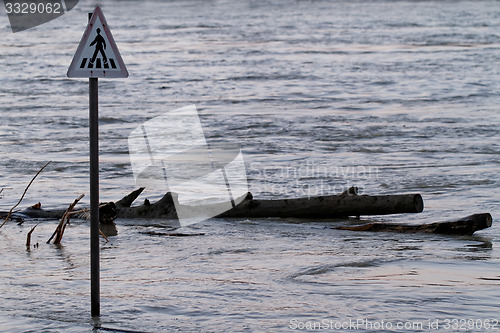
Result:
[{"x": 97, "y": 54}]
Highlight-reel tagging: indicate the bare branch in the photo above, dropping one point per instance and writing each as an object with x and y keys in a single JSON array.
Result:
[{"x": 25, "y": 190}]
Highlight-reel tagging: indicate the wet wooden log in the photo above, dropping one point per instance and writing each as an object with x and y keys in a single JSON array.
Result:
[
  {"x": 346, "y": 204},
  {"x": 107, "y": 213},
  {"x": 464, "y": 226},
  {"x": 129, "y": 199},
  {"x": 164, "y": 208},
  {"x": 331, "y": 206},
  {"x": 172, "y": 234}
]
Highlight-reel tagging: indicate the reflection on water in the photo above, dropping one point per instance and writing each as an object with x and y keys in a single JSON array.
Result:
[{"x": 389, "y": 96}]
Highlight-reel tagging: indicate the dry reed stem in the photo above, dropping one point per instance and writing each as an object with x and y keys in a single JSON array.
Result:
[
  {"x": 103, "y": 235},
  {"x": 22, "y": 197},
  {"x": 28, "y": 238},
  {"x": 64, "y": 221}
]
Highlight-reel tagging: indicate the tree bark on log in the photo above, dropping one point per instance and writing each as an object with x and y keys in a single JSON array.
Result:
[
  {"x": 164, "y": 208},
  {"x": 464, "y": 226},
  {"x": 107, "y": 213},
  {"x": 331, "y": 206}
]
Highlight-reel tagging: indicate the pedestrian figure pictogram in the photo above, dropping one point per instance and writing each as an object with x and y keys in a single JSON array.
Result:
[{"x": 100, "y": 46}]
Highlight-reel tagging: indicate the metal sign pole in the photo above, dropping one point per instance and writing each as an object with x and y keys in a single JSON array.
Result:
[
  {"x": 95, "y": 302},
  {"x": 88, "y": 64},
  {"x": 94, "y": 196}
]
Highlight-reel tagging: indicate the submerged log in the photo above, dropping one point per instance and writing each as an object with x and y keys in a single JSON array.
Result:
[
  {"x": 172, "y": 234},
  {"x": 164, "y": 208},
  {"x": 346, "y": 204},
  {"x": 464, "y": 226},
  {"x": 331, "y": 206},
  {"x": 107, "y": 213},
  {"x": 128, "y": 200}
]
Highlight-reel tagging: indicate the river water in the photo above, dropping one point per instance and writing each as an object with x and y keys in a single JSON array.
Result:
[{"x": 389, "y": 96}]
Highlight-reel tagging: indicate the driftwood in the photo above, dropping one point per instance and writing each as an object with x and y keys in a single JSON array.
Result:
[
  {"x": 107, "y": 213},
  {"x": 59, "y": 232},
  {"x": 465, "y": 226},
  {"x": 332, "y": 206},
  {"x": 163, "y": 208},
  {"x": 28, "y": 237},
  {"x": 346, "y": 204},
  {"x": 172, "y": 234}
]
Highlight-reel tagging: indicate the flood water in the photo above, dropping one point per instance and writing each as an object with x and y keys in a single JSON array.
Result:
[{"x": 390, "y": 96}]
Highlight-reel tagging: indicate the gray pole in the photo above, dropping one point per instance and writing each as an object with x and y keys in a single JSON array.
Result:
[
  {"x": 94, "y": 196},
  {"x": 95, "y": 303}
]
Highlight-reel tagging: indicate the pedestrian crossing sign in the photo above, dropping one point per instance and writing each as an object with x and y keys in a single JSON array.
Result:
[{"x": 97, "y": 55}]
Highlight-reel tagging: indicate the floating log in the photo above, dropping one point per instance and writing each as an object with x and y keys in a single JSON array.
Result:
[
  {"x": 172, "y": 234},
  {"x": 331, "y": 206},
  {"x": 164, "y": 208},
  {"x": 346, "y": 204},
  {"x": 464, "y": 226},
  {"x": 128, "y": 200},
  {"x": 107, "y": 213}
]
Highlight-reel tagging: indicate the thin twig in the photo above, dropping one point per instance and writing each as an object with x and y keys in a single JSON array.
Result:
[
  {"x": 103, "y": 235},
  {"x": 28, "y": 238},
  {"x": 64, "y": 220},
  {"x": 84, "y": 212},
  {"x": 3, "y": 189},
  {"x": 22, "y": 197}
]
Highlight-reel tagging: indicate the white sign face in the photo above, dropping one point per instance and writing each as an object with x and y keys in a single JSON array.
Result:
[{"x": 97, "y": 55}]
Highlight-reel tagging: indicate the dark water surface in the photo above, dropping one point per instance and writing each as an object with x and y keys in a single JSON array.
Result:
[{"x": 390, "y": 96}]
